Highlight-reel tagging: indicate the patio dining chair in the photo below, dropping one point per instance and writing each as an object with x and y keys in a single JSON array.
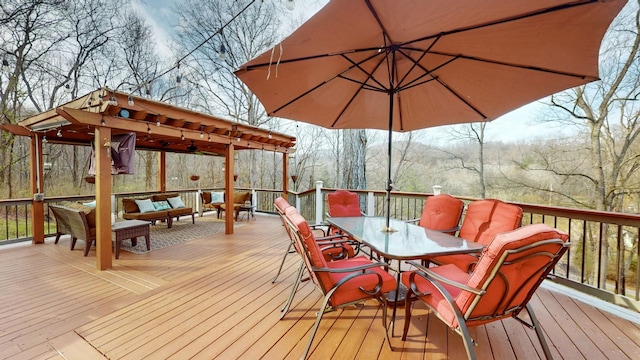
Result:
[
  {"x": 332, "y": 249},
  {"x": 509, "y": 271},
  {"x": 342, "y": 282},
  {"x": 344, "y": 203},
  {"x": 441, "y": 212},
  {"x": 483, "y": 220}
]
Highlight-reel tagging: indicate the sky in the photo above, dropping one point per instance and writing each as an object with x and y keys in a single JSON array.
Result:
[{"x": 516, "y": 125}]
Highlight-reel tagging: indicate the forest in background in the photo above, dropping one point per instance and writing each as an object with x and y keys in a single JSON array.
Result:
[{"x": 56, "y": 50}]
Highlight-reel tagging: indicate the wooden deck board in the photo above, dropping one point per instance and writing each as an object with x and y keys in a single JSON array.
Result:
[{"x": 212, "y": 298}]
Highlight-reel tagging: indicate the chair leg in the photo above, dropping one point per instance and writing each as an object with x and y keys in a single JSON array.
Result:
[
  {"x": 538, "y": 329},
  {"x": 57, "y": 237},
  {"x": 469, "y": 344},
  {"x": 294, "y": 289},
  {"x": 282, "y": 263},
  {"x": 408, "y": 302},
  {"x": 73, "y": 242},
  {"x": 88, "y": 247},
  {"x": 317, "y": 324},
  {"x": 382, "y": 299}
]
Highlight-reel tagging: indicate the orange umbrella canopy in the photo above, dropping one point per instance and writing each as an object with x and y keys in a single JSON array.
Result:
[{"x": 410, "y": 64}]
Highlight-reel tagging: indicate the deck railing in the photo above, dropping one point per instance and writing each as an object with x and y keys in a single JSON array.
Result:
[{"x": 602, "y": 260}]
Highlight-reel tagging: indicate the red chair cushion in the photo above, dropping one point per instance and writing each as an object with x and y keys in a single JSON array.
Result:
[
  {"x": 343, "y": 203},
  {"x": 441, "y": 212}
]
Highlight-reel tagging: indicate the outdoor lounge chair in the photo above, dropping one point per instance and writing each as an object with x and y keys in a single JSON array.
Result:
[
  {"x": 482, "y": 222},
  {"x": 509, "y": 271},
  {"x": 342, "y": 282}
]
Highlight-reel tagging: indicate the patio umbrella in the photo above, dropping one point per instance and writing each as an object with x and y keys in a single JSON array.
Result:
[{"x": 403, "y": 65}]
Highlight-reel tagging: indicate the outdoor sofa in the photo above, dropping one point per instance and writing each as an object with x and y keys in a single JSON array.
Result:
[
  {"x": 215, "y": 201},
  {"x": 163, "y": 207}
]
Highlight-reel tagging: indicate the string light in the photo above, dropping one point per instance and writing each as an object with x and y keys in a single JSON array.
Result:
[
  {"x": 130, "y": 98},
  {"x": 270, "y": 136},
  {"x": 113, "y": 101},
  {"x": 182, "y": 135},
  {"x": 208, "y": 137},
  {"x": 201, "y": 133},
  {"x": 102, "y": 121},
  {"x": 44, "y": 139},
  {"x": 5, "y": 64},
  {"x": 67, "y": 88},
  {"x": 205, "y": 41},
  {"x": 158, "y": 123},
  {"x": 223, "y": 53},
  {"x": 290, "y": 5},
  {"x": 148, "y": 129},
  {"x": 59, "y": 133}
]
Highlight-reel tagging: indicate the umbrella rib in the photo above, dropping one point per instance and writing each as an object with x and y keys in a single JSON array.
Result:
[
  {"x": 527, "y": 67},
  {"x": 340, "y": 75},
  {"x": 505, "y": 20}
]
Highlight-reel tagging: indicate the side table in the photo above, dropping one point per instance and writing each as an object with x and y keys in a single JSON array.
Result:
[{"x": 130, "y": 229}]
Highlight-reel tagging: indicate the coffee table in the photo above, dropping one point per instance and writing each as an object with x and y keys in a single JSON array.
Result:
[{"x": 130, "y": 229}]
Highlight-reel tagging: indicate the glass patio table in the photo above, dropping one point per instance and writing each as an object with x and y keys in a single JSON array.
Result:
[{"x": 407, "y": 242}]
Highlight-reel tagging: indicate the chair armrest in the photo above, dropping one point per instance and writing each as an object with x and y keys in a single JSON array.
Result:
[
  {"x": 430, "y": 276},
  {"x": 350, "y": 269}
]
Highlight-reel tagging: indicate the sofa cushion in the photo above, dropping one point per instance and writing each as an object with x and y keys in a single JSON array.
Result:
[
  {"x": 206, "y": 197},
  {"x": 176, "y": 202},
  {"x": 89, "y": 211},
  {"x": 241, "y": 197},
  {"x": 145, "y": 205},
  {"x": 216, "y": 197},
  {"x": 130, "y": 205},
  {"x": 164, "y": 196},
  {"x": 161, "y": 205}
]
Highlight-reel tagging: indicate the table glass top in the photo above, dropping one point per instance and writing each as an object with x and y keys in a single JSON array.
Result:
[{"x": 409, "y": 241}]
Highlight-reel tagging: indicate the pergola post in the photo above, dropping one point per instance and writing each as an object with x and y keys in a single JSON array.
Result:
[
  {"x": 102, "y": 152},
  {"x": 37, "y": 186},
  {"x": 229, "y": 169},
  {"x": 162, "y": 172},
  {"x": 285, "y": 176}
]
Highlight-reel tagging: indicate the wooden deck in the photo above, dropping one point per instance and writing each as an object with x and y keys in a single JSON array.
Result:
[{"x": 213, "y": 298}]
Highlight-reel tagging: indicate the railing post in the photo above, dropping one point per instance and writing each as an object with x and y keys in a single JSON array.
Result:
[
  {"x": 197, "y": 201},
  {"x": 319, "y": 202},
  {"x": 297, "y": 201},
  {"x": 371, "y": 206},
  {"x": 437, "y": 189}
]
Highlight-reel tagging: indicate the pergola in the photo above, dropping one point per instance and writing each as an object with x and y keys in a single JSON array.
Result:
[{"x": 158, "y": 126}]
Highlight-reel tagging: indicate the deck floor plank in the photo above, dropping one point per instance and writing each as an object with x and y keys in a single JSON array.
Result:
[{"x": 212, "y": 297}]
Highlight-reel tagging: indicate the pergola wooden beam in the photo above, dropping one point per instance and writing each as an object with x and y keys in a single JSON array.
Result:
[{"x": 158, "y": 126}]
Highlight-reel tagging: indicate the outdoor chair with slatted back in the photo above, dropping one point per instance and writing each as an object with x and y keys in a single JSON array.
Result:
[
  {"x": 342, "y": 282},
  {"x": 441, "y": 212},
  {"x": 483, "y": 220},
  {"x": 509, "y": 271},
  {"x": 332, "y": 248}
]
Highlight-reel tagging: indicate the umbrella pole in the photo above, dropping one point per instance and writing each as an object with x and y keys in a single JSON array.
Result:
[{"x": 389, "y": 181}]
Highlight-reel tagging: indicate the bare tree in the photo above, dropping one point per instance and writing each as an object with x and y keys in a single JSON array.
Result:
[{"x": 469, "y": 159}]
